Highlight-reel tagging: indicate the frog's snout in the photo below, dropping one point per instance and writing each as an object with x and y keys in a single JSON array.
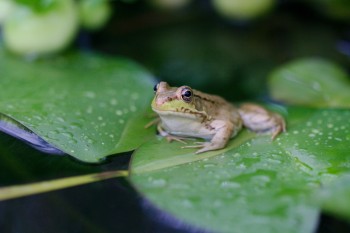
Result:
[{"x": 160, "y": 100}]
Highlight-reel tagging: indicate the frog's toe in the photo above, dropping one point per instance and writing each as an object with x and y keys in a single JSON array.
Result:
[
  {"x": 279, "y": 128},
  {"x": 204, "y": 147},
  {"x": 207, "y": 147},
  {"x": 171, "y": 138},
  {"x": 200, "y": 145},
  {"x": 276, "y": 132}
]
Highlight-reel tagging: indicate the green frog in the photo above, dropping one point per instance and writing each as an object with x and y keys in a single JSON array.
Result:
[{"x": 185, "y": 112}]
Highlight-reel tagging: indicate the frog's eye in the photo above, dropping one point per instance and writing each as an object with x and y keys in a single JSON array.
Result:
[
  {"x": 186, "y": 95},
  {"x": 155, "y": 88}
]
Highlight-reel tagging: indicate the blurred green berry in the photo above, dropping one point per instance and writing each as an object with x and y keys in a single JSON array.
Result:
[
  {"x": 243, "y": 9},
  {"x": 94, "y": 14},
  {"x": 28, "y": 32}
]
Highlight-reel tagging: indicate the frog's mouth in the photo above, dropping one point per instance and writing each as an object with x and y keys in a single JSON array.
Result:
[
  {"x": 172, "y": 106},
  {"x": 182, "y": 113}
]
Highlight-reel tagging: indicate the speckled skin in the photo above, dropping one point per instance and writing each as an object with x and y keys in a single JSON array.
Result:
[{"x": 209, "y": 116}]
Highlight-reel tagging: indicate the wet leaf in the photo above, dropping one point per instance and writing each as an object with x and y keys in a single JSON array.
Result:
[
  {"x": 253, "y": 185},
  {"x": 335, "y": 197},
  {"x": 311, "y": 82},
  {"x": 83, "y": 104}
]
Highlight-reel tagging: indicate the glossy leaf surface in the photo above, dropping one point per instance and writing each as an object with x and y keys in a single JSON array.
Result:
[
  {"x": 83, "y": 104},
  {"x": 254, "y": 184},
  {"x": 311, "y": 82}
]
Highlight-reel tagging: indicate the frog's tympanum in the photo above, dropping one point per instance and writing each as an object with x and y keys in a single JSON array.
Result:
[{"x": 185, "y": 112}]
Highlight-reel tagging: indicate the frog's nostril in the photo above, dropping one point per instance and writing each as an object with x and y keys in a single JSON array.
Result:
[{"x": 160, "y": 101}]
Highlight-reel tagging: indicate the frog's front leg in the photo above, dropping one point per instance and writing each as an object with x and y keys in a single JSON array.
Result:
[
  {"x": 223, "y": 132},
  {"x": 260, "y": 120}
]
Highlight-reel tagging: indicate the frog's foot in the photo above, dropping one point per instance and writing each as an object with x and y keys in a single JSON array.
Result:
[
  {"x": 170, "y": 137},
  {"x": 280, "y": 127},
  {"x": 205, "y": 146},
  {"x": 260, "y": 120}
]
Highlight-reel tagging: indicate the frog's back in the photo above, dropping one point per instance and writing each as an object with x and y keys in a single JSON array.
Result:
[{"x": 215, "y": 106}]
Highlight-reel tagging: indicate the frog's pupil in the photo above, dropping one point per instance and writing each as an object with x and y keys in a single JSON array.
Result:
[
  {"x": 187, "y": 94},
  {"x": 155, "y": 88}
]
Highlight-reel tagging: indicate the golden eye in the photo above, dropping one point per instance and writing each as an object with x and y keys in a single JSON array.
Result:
[{"x": 186, "y": 94}]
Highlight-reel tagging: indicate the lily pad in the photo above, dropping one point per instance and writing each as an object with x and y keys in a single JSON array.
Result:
[
  {"x": 311, "y": 82},
  {"x": 253, "y": 185},
  {"x": 85, "y": 105},
  {"x": 335, "y": 197}
]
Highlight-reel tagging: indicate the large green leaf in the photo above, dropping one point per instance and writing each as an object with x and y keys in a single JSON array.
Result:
[
  {"x": 311, "y": 82},
  {"x": 253, "y": 185},
  {"x": 83, "y": 104},
  {"x": 335, "y": 197}
]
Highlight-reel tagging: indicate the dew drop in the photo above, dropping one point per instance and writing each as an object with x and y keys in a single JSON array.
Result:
[
  {"x": 102, "y": 105},
  {"x": 186, "y": 203},
  {"x": 67, "y": 134},
  {"x": 72, "y": 141},
  {"x": 113, "y": 102},
  {"x": 37, "y": 117},
  {"x": 133, "y": 108},
  {"x": 230, "y": 185},
  {"x": 236, "y": 155},
  {"x": 159, "y": 183},
  {"x": 89, "y": 110},
  {"x": 316, "y": 86},
  {"x": 90, "y": 94},
  {"x": 134, "y": 96},
  {"x": 208, "y": 165},
  {"x": 315, "y": 131}
]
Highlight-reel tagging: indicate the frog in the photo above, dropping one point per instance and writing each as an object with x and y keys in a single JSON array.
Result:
[{"x": 185, "y": 113}]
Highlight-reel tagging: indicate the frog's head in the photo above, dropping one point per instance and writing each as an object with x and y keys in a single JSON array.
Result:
[{"x": 173, "y": 99}]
